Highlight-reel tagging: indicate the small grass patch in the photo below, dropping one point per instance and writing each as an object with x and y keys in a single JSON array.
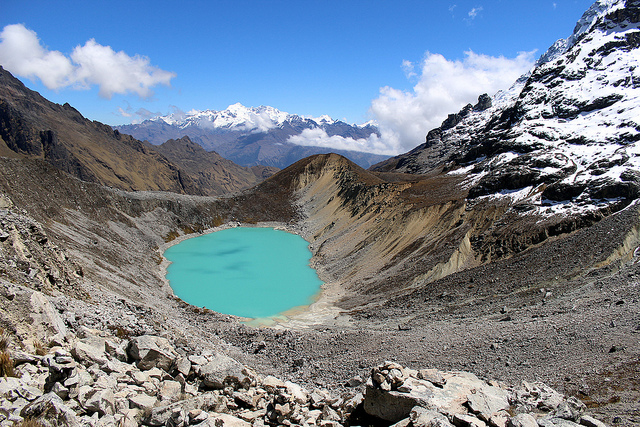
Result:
[
  {"x": 5, "y": 339},
  {"x": 157, "y": 258},
  {"x": 217, "y": 221},
  {"x": 41, "y": 350},
  {"x": 120, "y": 332},
  {"x": 171, "y": 236},
  {"x": 6, "y": 365}
]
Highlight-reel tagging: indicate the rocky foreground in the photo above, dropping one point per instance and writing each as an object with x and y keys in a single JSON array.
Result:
[{"x": 88, "y": 377}]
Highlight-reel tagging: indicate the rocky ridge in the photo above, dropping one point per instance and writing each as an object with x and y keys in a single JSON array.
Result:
[{"x": 564, "y": 138}]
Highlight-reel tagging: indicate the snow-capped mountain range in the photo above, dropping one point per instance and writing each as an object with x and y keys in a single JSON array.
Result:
[
  {"x": 566, "y": 136},
  {"x": 254, "y": 135},
  {"x": 239, "y": 117}
]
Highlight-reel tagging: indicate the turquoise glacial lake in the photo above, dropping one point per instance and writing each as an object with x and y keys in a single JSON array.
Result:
[{"x": 243, "y": 271}]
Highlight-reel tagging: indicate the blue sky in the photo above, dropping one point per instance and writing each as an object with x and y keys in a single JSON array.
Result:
[{"x": 351, "y": 59}]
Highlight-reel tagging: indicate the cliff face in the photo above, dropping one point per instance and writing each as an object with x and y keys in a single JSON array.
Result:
[{"x": 33, "y": 127}]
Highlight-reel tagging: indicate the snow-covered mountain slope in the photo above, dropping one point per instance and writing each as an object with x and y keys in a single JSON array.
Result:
[
  {"x": 253, "y": 135},
  {"x": 236, "y": 116},
  {"x": 565, "y": 136}
]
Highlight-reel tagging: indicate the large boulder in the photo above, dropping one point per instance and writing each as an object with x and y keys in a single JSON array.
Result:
[
  {"x": 222, "y": 371},
  {"x": 46, "y": 323},
  {"x": 15, "y": 388},
  {"x": 151, "y": 351},
  {"x": 393, "y": 391},
  {"x": 100, "y": 400},
  {"x": 90, "y": 351},
  {"x": 226, "y": 420},
  {"x": 421, "y": 417}
]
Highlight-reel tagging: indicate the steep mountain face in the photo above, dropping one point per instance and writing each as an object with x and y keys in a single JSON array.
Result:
[
  {"x": 252, "y": 136},
  {"x": 33, "y": 127},
  {"x": 565, "y": 137},
  {"x": 213, "y": 174}
]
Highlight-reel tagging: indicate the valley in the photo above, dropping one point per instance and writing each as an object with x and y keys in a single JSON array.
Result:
[
  {"x": 502, "y": 252},
  {"x": 545, "y": 313}
]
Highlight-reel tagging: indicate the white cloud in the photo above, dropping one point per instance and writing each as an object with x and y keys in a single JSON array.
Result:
[
  {"x": 474, "y": 12},
  {"x": 443, "y": 87},
  {"x": 409, "y": 69},
  {"x": 21, "y": 53},
  {"x": 138, "y": 116},
  {"x": 318, "y": 137}
]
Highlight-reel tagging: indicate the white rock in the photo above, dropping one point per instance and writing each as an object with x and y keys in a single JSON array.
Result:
[
  {"x": 170, "y": 391},
  {"x": 215, "y": 419},
  {"x": 297, "y": 392},
  {"x": 464, "y": 420},
  {"x": 47, "y": 323},
  {"x": 589, "y": 421},
  {"x": 183, "y": 365},
  {"x": 143, "y": 401},
  {"x": 151, "y": 351},
  {"x": 54, "y": 408},
  {"x": 100, "y": 401},
  {"x": 223, "y": 371},
  {"x": 522, "y": 420},
  {"x": 89, "y": 354},
  {"x": 422, "y": 417}
]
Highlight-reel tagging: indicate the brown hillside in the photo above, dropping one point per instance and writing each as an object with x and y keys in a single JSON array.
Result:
[
  {"x": 31, "y": 126},
  {"x": 213, "y": 174}
]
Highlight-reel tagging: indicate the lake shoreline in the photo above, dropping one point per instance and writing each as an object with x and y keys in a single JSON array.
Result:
[{"x": 302, "y": 316}]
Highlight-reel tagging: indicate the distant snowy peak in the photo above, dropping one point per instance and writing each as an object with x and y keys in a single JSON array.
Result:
[
  {"x": 237, "y": 117},
  {"x": 598, "y": 10},
  {"x": 324, "y": 119}
]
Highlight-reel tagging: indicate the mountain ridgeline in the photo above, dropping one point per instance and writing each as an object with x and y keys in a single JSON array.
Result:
[
  {"x": 254, "y": 136},
  {"x": 212, "y": 173},
  {"x": 31, "y": 126},
  {"x": 563, "y": 137}
]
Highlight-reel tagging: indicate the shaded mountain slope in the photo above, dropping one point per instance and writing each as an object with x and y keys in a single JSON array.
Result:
[
  {"x": 31, "y": 126},
  {"x": 211, "y": 172}
]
